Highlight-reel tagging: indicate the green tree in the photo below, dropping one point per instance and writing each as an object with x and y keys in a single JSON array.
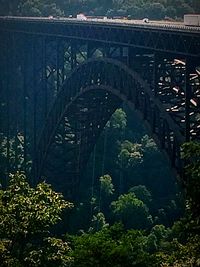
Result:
[
  {"x": 98, "y": 222},
  {"x": 185, "y": 243},
  {"x": 26, "y": 215},
  {"x": 30, "y": 8},
  {"x": 132, "y": 212},
  {"x": 2, "y": 159},
  {"x": 118, "y": 120},
  {"x": 191, "y": 155},
  {"x": 130, "y": 155},
  {"x": 170, "y": 12},
  {"x": 155, "y": 10},
  {"x": 184, "y": 9},
  {"x": 9, "y": 7},
  {"x": 16, "y": 156},
  {"x": 111, "y": 246},
  {"x": 106, "y": 184},
  {"x": 142, "y": 193}
]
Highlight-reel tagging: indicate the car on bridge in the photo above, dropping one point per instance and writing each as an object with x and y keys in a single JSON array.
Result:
[{"x": 81, "y": 16}]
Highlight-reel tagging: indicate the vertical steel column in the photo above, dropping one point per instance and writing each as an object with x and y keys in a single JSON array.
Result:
[
  {"x": 2, "y": 52},
  {"x": 106, "y": 50},
  {"x": 62, "y": 67},
  {"x": 16, "y": 105},
  {"x": 8, "y": 94},
  {"x": 90, "y": 48},
  {"x": 155, "y": 74},
  {"x": 57, "y": 65},
  {"x": 34, "y": 41},
  {"x": 121, "y": 53},
  {"x": 73, "y": 55},
  {"x": 131, "y": 56},
  {"x": 187, "y": 98},
  {"x": 25, "y": 84},
  {"x": 44, "y": 76},
  {"x": 153, "y": 119}
]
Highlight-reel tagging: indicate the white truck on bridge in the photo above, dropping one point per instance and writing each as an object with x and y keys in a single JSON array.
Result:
[{"x": 192, "y": 20}]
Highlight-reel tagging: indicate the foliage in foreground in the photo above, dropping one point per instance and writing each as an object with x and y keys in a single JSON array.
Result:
[
  {"x": 158, "y": 247},
  {"x": 132, "y": 211},
  {"x": 112, "y": 246},
  {"x": 185, "y": 248},
  {"x": 26, "y": 215},
  {"x": 191, "y": 153},
  {"x": 115, "y": 246}
]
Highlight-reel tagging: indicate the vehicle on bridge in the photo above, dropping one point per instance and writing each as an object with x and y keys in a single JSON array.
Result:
[
  {"x": 146, "y": 20},
  {"x": 192, "y": 20},
  {"x": 81, "y": 16}
]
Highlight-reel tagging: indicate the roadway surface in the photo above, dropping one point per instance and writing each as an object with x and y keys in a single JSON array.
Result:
[{"x": 168, "y": 25}]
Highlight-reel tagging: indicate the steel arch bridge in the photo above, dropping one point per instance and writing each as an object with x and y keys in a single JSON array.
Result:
[{"x": 59, "y": 90}]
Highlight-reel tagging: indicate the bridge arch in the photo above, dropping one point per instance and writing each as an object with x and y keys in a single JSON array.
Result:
[{"x": 106, "y": 83}]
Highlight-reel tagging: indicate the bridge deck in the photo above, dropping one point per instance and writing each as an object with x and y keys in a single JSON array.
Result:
[
  {"x": 161, "y": 25},
  {"x": 167, "y": 37}
]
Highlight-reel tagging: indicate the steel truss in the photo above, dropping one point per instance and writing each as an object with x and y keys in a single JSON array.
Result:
[{"x": 58, "y": 93}]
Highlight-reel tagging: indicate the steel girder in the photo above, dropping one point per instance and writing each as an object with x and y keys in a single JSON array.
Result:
[
  {"x": 179, "y": 41},
  {"x": 49, "y": 103},
  {"x": 102, "y": 79}
]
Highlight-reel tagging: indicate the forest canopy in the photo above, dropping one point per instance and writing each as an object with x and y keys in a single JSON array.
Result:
[{"x": 28, "y": 213}]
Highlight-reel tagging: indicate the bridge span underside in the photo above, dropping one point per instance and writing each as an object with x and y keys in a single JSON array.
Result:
[{"x": 57, "y": 92}]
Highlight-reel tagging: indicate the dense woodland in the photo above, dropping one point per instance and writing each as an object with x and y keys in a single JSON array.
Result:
[
  {"x": 137, "y": 9},
  {"x": 130, "y": 208}
]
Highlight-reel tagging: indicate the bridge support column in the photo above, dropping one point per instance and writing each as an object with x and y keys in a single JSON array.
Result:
[
  {"x": 192, "y": 99},
  {"x": 25, "y": 71},
  {"x": 8, "y": 88},
  {"x": 188, "y": 93}
]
